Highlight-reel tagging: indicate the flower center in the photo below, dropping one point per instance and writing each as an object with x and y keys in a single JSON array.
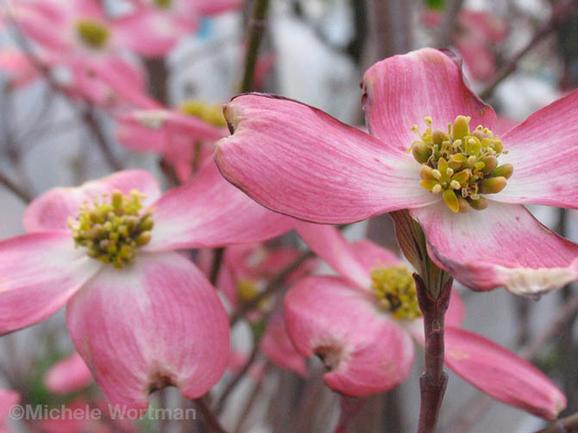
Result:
[
  {"x": 460, "y": 164},
  {"x": 209, "y": 113},
  {"x": 247, "y": 291},
  {"x": 394, "y": 288},
  {"x": 163, "y": 4},
  {"x": 92, "y": 33},
  {"x": 114, "y": 228}
]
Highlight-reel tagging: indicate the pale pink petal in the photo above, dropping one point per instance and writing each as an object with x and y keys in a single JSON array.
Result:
[
  {"x": 17, "y": 66},
  {"x": 277, "y": 346},
  {"x": 401, "y": 90},
  {"x": 210, "y": 212},
  {"x": 8, "y": 399},
  {"x": 372, "y": 256},
  {"x": 69, "y": 375},
  {"x": 501, "y": 374},
  {"x": 38, "y": 274},
  {"x": 299, "y": 161},
  {"x": 133, "y": 133},
  {"x": 147, "y": 33},
  {"x": 364, "y": 350},
  {"x": 544, "y": 154},
  {"x": 156, "y": 323},
  {"x": 503, "y": 245},
  {"x": 330, "y": 245},
  {"x": 214, "y": 7},
  {"x": 51, "y": 210}
]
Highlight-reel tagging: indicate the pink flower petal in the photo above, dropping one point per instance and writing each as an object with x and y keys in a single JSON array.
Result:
[
  {"x": 209, "y": 212},
  {"x": 157, "y": 323},
  {"x": 503, "y": 245},
  {"x": 38, "y": 274},
  {"x": 69, "y": 375},
  {"x": 544, "y": 153},
  {"x": 401, "y": 90},
  {"x": 299, "y": 161},
  {"x": 365, "y": 351},
  {"x": 277, "y": 346},
  {"x": 330, "y": 245},
  {"x": 372, "y": 256},
  {"x": 456, "y": 312},
  {"x": 17, "y": 66},
  {"x": 501, "y": 374},
  {"x": 51, "y": 210},
  {"x": 214, "y": 7},
  {"x": 8, "y": 399}
]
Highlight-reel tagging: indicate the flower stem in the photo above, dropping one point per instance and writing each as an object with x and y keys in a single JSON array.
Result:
[
  {"x": 257, "y": 25},
  {"x": 434, "y": 380},
  {"x": 211, "y": 420}
]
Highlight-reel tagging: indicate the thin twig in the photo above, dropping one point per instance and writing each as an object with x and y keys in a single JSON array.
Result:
[
  {"x": 274, "y": 284},
  {"x": 15, "y": 189},
  {"x": 448, "y": 26},
  {"x": 564, "y": 425},
  {"x": 211, "y": 420},
  {"x": 434, "y": 380},
  {"x": 560, "y": 13},
  {"x": 256, "y": 29}
]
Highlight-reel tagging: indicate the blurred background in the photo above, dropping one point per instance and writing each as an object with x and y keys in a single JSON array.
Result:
[{"x": 518, "y": 54}]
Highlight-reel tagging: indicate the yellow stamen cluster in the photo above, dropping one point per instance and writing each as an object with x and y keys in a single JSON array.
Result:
[
  {"x": 210, "y": 113},
  {"x": 163, "y": 4},
  {"x": 247, "y": 291},
  {"x": 113, "y": 228},
  {"x": 394, "y": 288},
  {"x": 460, "y": 164},
  {"x": 92, "y": 33}
]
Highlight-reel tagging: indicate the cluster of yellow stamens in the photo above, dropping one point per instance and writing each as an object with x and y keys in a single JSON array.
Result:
[
  {"x": 460, "y": 164},
  {"x": 395, "y": 290},
  {"x": 113, "y": 228},
  {"x": 247, "y": 291},
  {"x": 92, "y": 33},
  {"x": 163, "y": 4},
  {"x": 210, "y": 113}
]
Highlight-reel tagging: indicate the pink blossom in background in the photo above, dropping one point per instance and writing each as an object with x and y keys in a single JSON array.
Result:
[
  {"x": 476, "y": 38},
  {"x": 78, "y": 36},
  {"x": 362, "y": 326},
  {"x": 167, "y": 21},
  {"x": 8, "y": 399},
  {"x": 279, "y": 349},
  {"x": 299, "y": 161},
  {"x": 67, "y": 376},
  {"x": 185, "y": 141},
  {"x": 140, "y": 314}
]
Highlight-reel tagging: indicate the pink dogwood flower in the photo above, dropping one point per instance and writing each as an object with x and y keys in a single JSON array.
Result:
[
  {"x": 8, "y": 399},
  {"x": 79, "y": 36},
  {"x": 141, "y": 315},
  {"x": 184, "y": 136},
  {"x": 361, "y": 324},
  {"x": 167, "y": 21},
  {"x": 69, "y": 375},
  {"x": 466, "y": 186}
]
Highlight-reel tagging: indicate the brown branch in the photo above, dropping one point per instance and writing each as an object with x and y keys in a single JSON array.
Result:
[
  {"x": 434, "y": 380},
  {"x": 211, "y": 420},
  {"x": 15, "y": 189},
  {"x": 256, "y": 29},
  {"x": 560, "y": 13},
  {"x": 564, "y": 425},
  {"x": 448, "y": 26}
]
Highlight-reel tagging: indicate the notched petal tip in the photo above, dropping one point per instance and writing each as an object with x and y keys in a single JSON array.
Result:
[
  {"x": 535, "y": 282},
  {"x": 230, "y": 117}
]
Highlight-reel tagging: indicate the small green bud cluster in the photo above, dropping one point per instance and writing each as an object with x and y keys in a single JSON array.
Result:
[
  {"x": 210, "y": 113},
  {"x": 92, "y": 33},
  {"x": 460, "y": 164},
  {"x": 395, "y": 290},
  {"x": 113, "y": 229}
]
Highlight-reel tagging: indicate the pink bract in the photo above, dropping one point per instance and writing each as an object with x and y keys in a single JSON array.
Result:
[
  {"x": 367, "y": 350},
  {"x": 299, "y": 161},
  {"x": 156, "y": 321}
]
